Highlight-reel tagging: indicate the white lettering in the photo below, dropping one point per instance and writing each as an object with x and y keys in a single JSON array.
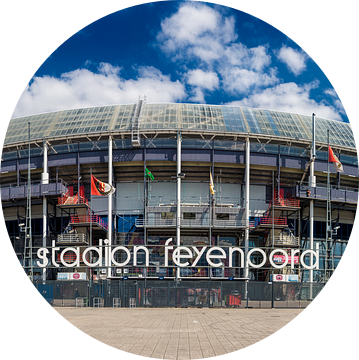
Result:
[
  {"x": 231, "y": 251},
  {"x": 54, "y": 249},
  {"x": 98, "y": 262},
  {"x": 209, "y": 256},
  {"x": 41, "y": 253},
  {"x": 199, "y": 254},
  {"x": 285, "y": 261},
  {"x": 137, "y": 248},
  {"x": 249, "y": 258},
  {"x": 166, "y": 250},
  {"x": 293, "y": 252},
  {"x": 77, "y": 253},
  {"x": 177, "y": 256},
  {"x": 181, "y": 252},
  {"x": 107, "y": 250},
  {"x": 125, "y": 250},
  {"x": 315, "y": 253}
]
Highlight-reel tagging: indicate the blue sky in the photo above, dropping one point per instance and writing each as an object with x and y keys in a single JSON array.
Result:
[{"x": 188, "y": 52}]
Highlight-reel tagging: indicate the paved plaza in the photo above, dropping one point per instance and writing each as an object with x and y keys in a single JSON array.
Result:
[{"x": 178, "y": 333}]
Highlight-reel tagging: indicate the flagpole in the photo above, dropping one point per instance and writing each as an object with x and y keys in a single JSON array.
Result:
[
  {"x": 109, "y": 204},
  {"x": 328, "y": 216},
  {"x": 312, "y": 184},
  {"x": 91, "y": 217}
]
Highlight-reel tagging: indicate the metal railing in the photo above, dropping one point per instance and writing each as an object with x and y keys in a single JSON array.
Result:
[
  {"x": 343, "y": 194},
  {"x": 205, "y": 223},
  {"x": 191, "y": 293},
  {"x": 72, "y": 238},
  {"x": 285, "y": 240},
  {"x": 18, "y": 191},
  {"x": 72, "y": 200},
  {"x": 284, "y": 202},
  {"x": 78, "y": 219},
  {"x": 269, "y": 220},
  {"x": 198, "y": 200}
]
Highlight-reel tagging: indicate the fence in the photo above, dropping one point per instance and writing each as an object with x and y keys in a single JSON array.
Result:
[{"x": 131, "y": 293}]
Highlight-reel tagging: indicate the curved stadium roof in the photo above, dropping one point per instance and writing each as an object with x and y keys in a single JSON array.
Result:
[{"x": 168, "y": 116}]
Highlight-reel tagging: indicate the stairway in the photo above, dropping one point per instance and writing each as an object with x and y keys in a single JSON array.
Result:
[{"x": 135, "y": 133}]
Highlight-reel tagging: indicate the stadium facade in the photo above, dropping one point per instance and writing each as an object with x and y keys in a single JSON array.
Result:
[{"x": 225, "y": 180}]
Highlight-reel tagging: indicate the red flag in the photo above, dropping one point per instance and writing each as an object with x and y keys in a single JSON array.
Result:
[
  {"x": 100, "y": 188},
  {"x": 332, "y": 158}
]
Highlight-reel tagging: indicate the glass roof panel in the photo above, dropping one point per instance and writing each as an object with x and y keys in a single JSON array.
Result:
[
  {"x": 178, "y": 116},
  {"x": 251, "y": 121}
]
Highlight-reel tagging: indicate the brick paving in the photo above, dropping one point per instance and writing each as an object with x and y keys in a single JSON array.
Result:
[{"x": 178, "y": 333}]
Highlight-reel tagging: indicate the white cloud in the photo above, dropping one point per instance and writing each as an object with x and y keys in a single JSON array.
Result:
[
  {"x": 255, "y": 59},
  {"x": 206, "y": 80},
  {"x": 196, "y": 30},
  {"x": 294, "y": 59},
  {"x": 290, "y": 97},
  {"x": 237, "y": 80},
  {"x": 81, "y": 88},
  {"x": 196, "y": 35},
  {"x": 202, "y": 34},
  {"x": 335, "y": 99},
  {"x": 200, "y": 81}
]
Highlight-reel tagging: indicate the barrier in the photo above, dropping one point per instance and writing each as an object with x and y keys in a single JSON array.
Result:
[
  {"x": 187, "y": 293},
  {"x": 82, "y": 301},
  {"x": 97, "y": 302},
  {"x": 116, "y": 302},
  {"x": 132, "y": 303}
]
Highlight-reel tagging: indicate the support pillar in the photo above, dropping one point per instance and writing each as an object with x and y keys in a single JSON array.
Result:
[
  {"x": 109, "y": 201},
  {"x": 44, "y": 180},
  {"x": 246, "y": 231},
  {"x": 178, "y": 222},
  {"x": 312, "y": 183}
]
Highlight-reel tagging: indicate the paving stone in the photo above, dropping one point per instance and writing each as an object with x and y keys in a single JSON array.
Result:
[{"x": 179, "y": 334}]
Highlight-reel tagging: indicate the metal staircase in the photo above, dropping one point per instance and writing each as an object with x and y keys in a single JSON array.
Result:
[{"x": 135, "y": 133}]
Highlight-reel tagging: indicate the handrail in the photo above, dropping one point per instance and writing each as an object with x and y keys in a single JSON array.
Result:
[
  {"x": 269, "y": 220},
  {"x": 305, "y": 185},
  {"x": 285, "y": 202},
  {"x": 72, "y": 200},
  {"x": 76, "y": 219},
  {"x": 194, "y": 223},
  {"x": 33, "y": 182},
  {"x": 71, "y": 238}
]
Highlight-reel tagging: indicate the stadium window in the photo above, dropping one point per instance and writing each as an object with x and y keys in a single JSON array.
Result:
[
  {"x": 167, "y": 215},
  {"x": 222, "y": 216},
  {"x": 189, "y": 216}
]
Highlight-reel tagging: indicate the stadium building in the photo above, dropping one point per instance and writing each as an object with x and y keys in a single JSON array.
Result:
[{"x": 242, "y": 193}]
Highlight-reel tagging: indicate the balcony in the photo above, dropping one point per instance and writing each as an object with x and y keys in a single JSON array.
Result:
[
  {"x": 95, "y": 221},
  {"x": 72, "y": 238},
  {"x": 54, "y": 187},
  {"x": 268, "y": 222},
  {"x": 346, "y": 195},
  {"x": 70, "y": 200},
  {"x": 284, "y": 203},
  {"x": 284, "y": 240},
  {"x": 186, "y": 223}
]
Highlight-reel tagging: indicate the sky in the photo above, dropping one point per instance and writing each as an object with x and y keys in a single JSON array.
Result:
[{"x": 183, "y": 52}]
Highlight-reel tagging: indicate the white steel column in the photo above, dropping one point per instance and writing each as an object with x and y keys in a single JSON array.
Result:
[
  {"x": 44, "y": 180},
  {"x": 246, "y": 231},
  {"x": 109, "y": 202},
  {"x": 178, "y": 222},
  {"x": 312, "y": 183}
]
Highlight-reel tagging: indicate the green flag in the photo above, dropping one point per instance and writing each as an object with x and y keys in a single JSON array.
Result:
[{"x": 149, "y": 174}]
